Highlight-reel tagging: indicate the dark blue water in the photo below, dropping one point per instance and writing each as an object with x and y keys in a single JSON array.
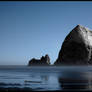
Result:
[{"x": 47, "y": 78}]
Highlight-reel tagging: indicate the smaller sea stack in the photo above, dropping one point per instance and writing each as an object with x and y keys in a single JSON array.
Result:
[{"x": 43, "y": 61}]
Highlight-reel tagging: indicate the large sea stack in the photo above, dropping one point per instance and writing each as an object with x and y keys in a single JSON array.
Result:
[
  {"x": 43, "y": 61},
  {"x": 76, "y": 48}
]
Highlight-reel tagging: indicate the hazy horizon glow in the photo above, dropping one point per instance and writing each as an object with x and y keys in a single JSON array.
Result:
[{"x": 32, "y": 29}]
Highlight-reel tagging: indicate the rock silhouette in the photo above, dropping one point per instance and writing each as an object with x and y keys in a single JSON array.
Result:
[
  {"x": 76, "y": 48},
  {"x": 44, "y": 61}
]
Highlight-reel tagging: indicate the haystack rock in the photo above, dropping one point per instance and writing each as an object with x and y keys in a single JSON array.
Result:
[
  {"x": 76, "y": 48},
  {"x": 43, "y": 61}
]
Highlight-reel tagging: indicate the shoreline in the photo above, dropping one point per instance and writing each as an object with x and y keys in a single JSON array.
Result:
[{"x": 26, "y": 89}]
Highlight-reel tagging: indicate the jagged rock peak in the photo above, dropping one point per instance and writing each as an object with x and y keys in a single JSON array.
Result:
[{"x": 81, "y": 28}]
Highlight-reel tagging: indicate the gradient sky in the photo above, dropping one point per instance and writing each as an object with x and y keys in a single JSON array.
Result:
[{"x": 32, "y": 29}]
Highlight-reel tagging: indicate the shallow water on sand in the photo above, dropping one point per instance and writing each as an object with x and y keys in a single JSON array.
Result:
[{"x": 47, "y": 78}]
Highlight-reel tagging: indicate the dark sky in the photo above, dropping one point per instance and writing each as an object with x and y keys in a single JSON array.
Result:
[{"x": 32, "y": 29}]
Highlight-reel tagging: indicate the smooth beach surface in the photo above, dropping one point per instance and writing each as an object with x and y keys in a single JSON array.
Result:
[{"x": 44, "y": 78}]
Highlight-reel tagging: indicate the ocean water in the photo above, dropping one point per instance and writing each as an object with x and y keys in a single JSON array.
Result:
[{"x": 46, "y": 78}]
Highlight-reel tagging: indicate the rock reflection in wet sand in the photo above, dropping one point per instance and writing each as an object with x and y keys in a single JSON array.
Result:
[{"x": 75, "y": 81}]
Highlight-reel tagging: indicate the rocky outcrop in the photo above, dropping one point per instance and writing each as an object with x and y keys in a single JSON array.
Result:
[
  {"x": 44, "y": 61},
  {"x": 76, "y": 48}
]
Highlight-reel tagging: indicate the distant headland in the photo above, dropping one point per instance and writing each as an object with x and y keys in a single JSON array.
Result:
[{"x": 75, "y": 50}]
